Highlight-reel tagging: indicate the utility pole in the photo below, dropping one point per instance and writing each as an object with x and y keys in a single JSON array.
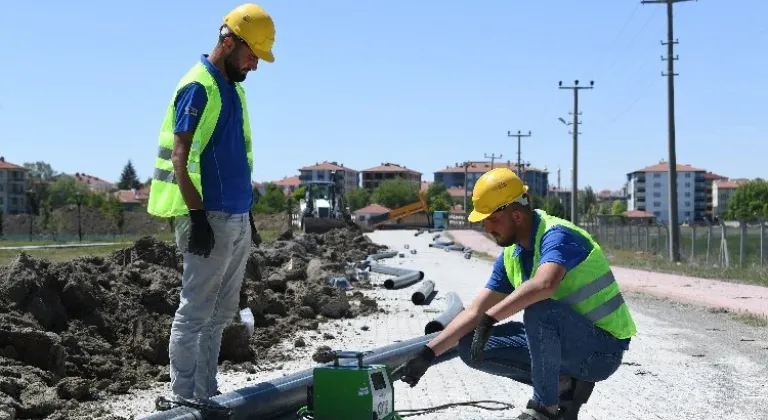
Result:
[
  {"x": 674, "y": 231},
  {"x": 519, "y": 136},
  {"x": 493, "y": 158},
  {"x": 575, "y": 184},
  {"x": 466, "y": 165}
]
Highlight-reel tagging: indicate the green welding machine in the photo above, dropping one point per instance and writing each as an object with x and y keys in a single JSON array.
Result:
[{"x": 350, "y": 391}]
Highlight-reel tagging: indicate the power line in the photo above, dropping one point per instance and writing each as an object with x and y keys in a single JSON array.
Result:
[
  {"x": 612, "y": 45},
  {"x": 674, "y": 232},
  {"x": 574, "y": 179},
  {"x": 493, "y": 158},
  {"x": 519, "y": 136}
]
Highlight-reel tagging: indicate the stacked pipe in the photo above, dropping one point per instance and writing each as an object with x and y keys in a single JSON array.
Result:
[{"x": 269, "y": 400}]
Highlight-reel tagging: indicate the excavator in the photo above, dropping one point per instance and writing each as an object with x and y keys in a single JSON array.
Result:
[
  {"x": 323, "y": 208},
  {"x": 398, "y": 213}
]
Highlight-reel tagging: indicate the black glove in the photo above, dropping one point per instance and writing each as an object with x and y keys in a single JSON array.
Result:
[
  {"x": 201, "y": 239},
  {"x": 482, "y": 334},
  {"x": 412, "y": 370},
  {"x": 255, "y": 237}
]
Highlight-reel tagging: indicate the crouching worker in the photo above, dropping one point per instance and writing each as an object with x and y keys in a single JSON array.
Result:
[{"x": 576, "y": 325}]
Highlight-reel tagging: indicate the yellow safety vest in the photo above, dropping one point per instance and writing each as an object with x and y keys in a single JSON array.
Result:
[
  {"x": 589, "y": 288},
  {"x": 165, "y": 198}
]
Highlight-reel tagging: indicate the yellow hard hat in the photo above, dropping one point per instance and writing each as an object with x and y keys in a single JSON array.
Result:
[
  {"x": 254, "y": 25},
  {"x": 494, "y": 189}
]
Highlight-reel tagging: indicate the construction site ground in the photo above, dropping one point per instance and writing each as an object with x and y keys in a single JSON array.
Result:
[{"x": 687, "y": 362}]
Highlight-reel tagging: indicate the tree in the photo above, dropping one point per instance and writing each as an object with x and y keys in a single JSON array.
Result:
[
  {"x": 39, "y": 170},
  {"x": 554, "y": 206},
  {"x": 272, "y": 202},
  {"x": 438, "y": 198},
  {"x": 748, "y": 202},
  {"x": 603, "y": 209},
  {"x": 129, "y": 179},
  {"x": 114, "y": 211},
  {"x": 395, "y": 193},
  {"x": 357, "y": 199},
  {"x": 299, "y": 193},
  {"x": 618, "y": 208}
]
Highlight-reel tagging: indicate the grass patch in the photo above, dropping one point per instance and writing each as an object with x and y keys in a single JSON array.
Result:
[
  {"x": 660, "y": 263},
  {"x": 66, "y": 254}
]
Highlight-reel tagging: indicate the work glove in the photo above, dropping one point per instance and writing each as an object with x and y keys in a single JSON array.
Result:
[
  {"x": 255, "y": 237},
  {"x": 201, "y": 240},
  {"x": 482, "y": 334},
  {"x": 414, "y": 368}
]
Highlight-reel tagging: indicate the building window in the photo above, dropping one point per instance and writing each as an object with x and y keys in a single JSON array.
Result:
[
  {"x": 657, "y": 204},
  {"x": 687, "y": 204},
  {"x": 657, "y": 184},
  {"x": 687, "y": 214},
  {"x": 687, "y": 174},
  {"x": 687, "y": 193},
  {"x": 657, "y": 194},
  {"x": 657, "y": 213},
  {"x": 657, "y": 175}
]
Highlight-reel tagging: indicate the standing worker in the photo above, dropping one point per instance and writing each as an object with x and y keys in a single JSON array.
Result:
[
  {"x": 203, "y": 179},
  {"x": 576, "y": 325}
]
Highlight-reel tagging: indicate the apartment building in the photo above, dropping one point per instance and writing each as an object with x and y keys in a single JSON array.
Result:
[
  {"x": 322, "y": 172},
  {"x": 722, "y": 191},
  {"x": 710, "y": 179},
  {"x": 288, "y": 184},
  {"x": 647, "y": 190},
  {"x": 373, "y": 177},
  {"x": 13, "y": 185},
  {"x": 94, "y": 183},
  {"x": 453, "y": 176},
  {"x": 563, "y": 194}
]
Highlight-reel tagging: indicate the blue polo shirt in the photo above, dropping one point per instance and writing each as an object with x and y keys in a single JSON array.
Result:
[
  {"x": 226, "y": 176},
  {"x": 559, "y": 245}
]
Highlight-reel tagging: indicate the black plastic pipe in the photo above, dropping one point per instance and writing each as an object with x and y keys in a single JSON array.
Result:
[
  {"x": 382, "y": 255},
  {"x": 453, "y": 307},
  {"x": 392, "y": 271},
  {"x": 420, "y": 296},
  {"x": 269, "y": 400},
  {"x": 404, "y": 280}
]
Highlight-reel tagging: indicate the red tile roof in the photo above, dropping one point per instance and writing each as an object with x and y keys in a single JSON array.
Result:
[
  {"x": 709, "y": 176},
  {"x": 90, "y": 179},
  {"x": 292, "y": 181},
  {"x": 327, "y": 166},
  {"x": 482, "y": 167},
  {"x": 664, "y": 167},
  {"x": 132, "y": 196},
  {"x": 8, "y": 165},
  {"x": 390, "y": 167},
  {"x": 731, "y": 183},
  {"x": 373, "y": 209}
]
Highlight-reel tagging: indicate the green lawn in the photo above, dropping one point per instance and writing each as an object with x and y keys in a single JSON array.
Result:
[{"x": 64, "y": 254}]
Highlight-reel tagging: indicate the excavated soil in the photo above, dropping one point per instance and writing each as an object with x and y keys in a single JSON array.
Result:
[{"x": 80, "y": 330}]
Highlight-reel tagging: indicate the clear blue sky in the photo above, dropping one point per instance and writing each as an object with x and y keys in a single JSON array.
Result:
[{"x": 421, "y": 83}]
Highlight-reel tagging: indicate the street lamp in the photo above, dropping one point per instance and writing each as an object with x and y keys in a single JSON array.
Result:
[{"x": 79, "y": 201}]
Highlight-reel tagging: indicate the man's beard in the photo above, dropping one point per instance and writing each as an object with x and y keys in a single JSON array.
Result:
[{"x": 234, "y": 74}]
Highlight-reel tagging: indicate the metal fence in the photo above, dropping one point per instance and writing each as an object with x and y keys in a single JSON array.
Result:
[{"x": 724, "y": 246}]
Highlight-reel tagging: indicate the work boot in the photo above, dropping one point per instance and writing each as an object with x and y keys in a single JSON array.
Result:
[
  {"x": 535, "y": 411},
  {"x": 576, "y": 396}
]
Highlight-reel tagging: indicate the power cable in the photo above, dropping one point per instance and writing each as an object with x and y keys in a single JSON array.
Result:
[{"x": 306, "y": 414}]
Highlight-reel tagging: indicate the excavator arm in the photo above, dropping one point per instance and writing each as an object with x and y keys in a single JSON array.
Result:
[{"x": 401, "y": 212}]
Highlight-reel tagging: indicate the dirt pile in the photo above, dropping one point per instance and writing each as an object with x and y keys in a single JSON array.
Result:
[{"x": 76, "y": 330}]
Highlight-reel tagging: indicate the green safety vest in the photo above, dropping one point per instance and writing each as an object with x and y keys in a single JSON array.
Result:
[
  {"x": 589, "y": 288},
  {"x": 165, "y": 198}
]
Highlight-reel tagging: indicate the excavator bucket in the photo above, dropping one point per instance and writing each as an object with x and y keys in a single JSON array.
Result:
[{"x": 321, "y": 225}]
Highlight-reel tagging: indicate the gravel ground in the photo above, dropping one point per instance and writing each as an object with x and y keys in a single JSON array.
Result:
[{"x": 686, "y": 363}]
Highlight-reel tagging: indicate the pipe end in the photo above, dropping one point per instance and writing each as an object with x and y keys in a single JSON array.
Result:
[
  {"x": 421, "y": 275},
  {"x": 389, "y": 284},
  {"x": 433, "y": 327}
]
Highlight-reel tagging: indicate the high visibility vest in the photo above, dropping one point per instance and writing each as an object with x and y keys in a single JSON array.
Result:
[
  {"x": 165, "y": 198},
  {"x": 589, "y": 288}
]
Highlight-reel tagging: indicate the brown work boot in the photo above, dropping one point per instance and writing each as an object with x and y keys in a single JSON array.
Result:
[{"x": 577, "y": 395}]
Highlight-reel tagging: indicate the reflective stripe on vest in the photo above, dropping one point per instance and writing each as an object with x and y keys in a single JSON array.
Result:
[
  {"x": 590, "y": 288},
  {"x": 165, "y": 198}
]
